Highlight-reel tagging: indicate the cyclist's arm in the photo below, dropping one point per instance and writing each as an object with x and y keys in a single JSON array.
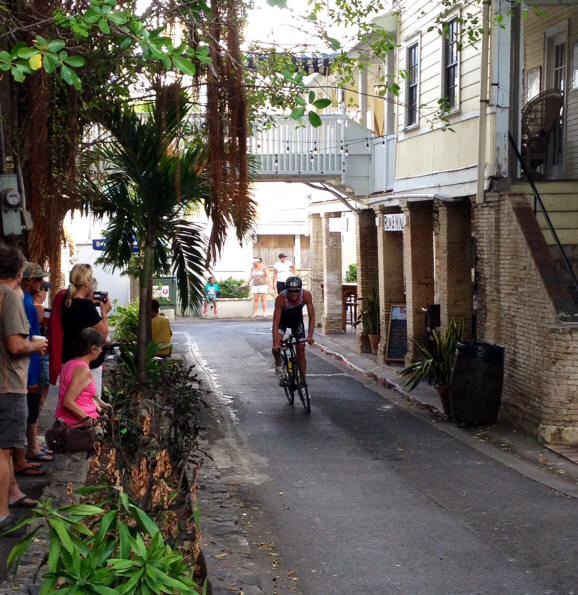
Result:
[
  {"x": 310, "y": 316},
  {"x": 276, "y": 322}
]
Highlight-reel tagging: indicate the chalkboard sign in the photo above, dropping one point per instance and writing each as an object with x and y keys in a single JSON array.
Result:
[{"x": 397, "y": 335}]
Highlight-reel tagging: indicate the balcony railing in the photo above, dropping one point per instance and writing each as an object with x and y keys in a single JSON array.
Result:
[{"x": 338, "y": 149}]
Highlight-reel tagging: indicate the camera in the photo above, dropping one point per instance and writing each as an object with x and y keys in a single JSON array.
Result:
[{"x": 100, "y": 296}]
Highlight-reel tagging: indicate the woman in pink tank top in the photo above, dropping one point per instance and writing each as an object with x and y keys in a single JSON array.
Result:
[{"x": 77, "y": 389}]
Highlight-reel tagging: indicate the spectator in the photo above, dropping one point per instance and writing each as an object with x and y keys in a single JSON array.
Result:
[
  {"x": 258, "y": 280},
  {"x": 161, "y": 330},
  {"x": 79, "y": 311},
  {"x": 44, "y": 322},
  {"x": 282, "y": 269},
  {"x": 77, "y": 388},
  {"x": 211, "y": 294},
  {"x": 32, "y": 279},
  {"x": 15, "y": 351}
]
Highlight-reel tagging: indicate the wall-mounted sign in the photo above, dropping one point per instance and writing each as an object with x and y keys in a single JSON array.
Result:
[
  {"x": 396, "y": 347},
  {"x": 394, "y": 222},
  {"x": 100, "y": 244}
]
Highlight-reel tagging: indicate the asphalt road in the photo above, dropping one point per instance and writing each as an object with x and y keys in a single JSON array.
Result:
[{"x": 364, "y": 496}]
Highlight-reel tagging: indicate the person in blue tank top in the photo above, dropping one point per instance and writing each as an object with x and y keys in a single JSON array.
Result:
[
  {"x": 211, "y": 294},
  {"x": 289, "y": 314}
]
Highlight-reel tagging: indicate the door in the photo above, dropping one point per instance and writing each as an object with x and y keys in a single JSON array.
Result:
[{"x": 556, "y": 59}]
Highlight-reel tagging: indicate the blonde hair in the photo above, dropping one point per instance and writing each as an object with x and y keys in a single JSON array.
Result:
[{"x": 79, "y": 276}]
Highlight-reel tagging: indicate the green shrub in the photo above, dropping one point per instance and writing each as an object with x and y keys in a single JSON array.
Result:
[
  {"x": 351, "y": 274},
  {"x": 125, "y": 322},
  {"x": 231, "y": 288}
]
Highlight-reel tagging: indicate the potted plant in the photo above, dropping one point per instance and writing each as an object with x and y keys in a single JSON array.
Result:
[
  {"x": 437, "y": 361},
  {"x": 369, "y": 317}
]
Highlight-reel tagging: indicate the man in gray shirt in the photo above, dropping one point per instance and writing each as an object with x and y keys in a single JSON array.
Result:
[{"x": 15, "y": 350}]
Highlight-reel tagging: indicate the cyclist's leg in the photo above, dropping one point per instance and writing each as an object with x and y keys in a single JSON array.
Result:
[
  {"x": 301, "y": 340},
  {"x": 277, "y": 355}
]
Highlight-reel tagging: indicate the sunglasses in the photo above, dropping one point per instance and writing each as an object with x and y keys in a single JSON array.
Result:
[{"x": 293, "y": 290}]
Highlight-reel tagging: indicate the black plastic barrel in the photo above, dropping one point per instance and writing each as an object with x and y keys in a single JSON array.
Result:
[{"x": 476, "y": 384}]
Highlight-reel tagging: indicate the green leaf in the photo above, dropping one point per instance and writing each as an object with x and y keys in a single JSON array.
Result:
[
  {"x": 334, "y": 43},
  {"x": 125, "y": 42},
  {"x": 75, "y": 61},
  {"x": 300, "y": 101},
  {"x": 41, "y": 42},
  {"x": 123, "y": 496},
  {"x": 54, "y": 552},
  {"x": 321, "y": 103},
  {"x": 27, "y": 53},
  {"x": 104, "y": 26},
  {"x": 118, "y": 18},
  {"x": 56, "y": 45},
  {"x": 70, "y": 77},
  {"x": 20, "y": 549},
  {"x": 19, "y": 73},
  {"x": 184, "y": 65},
  {"x": 314, "y": 119},
  {"x": 102, "y": 590},
  {"x": 131, "y": 583},
  {"x": 297, "y": 113},
  {"x": 105, "y": 524},
  {"x": 91, "y": 490},
  {"x": 81, "y": 510},
  {"x": 144, "y": 520},
  {"x": 124, "y": 536},
  {"x": 50, "y": 62},
  {"x": 92, "y": 15},
  {"x": 62, "y": 533},
  {"x": 311, "y": 96}
]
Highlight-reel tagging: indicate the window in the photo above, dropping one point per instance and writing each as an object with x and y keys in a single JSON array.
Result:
[
  {"x": 451, "y": 65},
  {"x": 412, "y": 84}
]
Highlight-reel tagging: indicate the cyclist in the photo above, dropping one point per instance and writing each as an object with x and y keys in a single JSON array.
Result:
[{"x": 289, "y": 314}]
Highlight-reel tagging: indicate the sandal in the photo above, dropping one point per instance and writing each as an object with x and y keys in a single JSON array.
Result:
[
  {"x": 24, "y": 502},
  {"x": 30, "y": 472},
  {"x": 43, "y": 457}
]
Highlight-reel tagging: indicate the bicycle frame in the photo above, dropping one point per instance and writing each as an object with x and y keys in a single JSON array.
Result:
[{"x": 294, "y": 379}]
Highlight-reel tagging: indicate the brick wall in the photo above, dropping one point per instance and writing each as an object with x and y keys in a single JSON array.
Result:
[
  {"x": 317, "y": 267},
  {"x": 367, "y": 265},
  {"x": 517, "y": 298},
  {"x": 332, "y": 319}
]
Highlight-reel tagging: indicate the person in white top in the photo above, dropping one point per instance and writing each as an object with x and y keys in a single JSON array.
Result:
[{"x": 283, "y": 268}]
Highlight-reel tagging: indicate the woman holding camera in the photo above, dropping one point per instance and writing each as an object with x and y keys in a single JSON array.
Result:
[{"x": 79, "y": 311}]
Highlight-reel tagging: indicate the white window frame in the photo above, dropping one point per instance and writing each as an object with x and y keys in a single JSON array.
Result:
[
  {"x": 444, "y": 68},
  {"x": 411, "y": 43}
]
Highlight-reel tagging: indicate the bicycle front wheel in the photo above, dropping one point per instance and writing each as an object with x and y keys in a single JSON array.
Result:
[
  {"x": 287, "y": 384},
  {"x": 302, "y": 388}
]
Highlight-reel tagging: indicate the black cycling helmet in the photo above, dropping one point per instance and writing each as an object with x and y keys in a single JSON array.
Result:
[{"x": 293, "y": 283}]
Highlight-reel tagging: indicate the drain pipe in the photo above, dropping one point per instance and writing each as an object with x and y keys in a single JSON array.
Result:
[{"x": 482, "y": 128}]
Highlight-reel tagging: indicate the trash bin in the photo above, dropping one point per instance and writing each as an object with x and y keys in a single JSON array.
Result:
[{"x": 476, "y": 383}]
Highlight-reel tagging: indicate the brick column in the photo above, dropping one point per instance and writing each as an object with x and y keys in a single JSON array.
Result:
[
  {"x": 316, "y": 247},
  {"x": 419, "y": 272},
  {"x": 332, "y": 321},
  {"x": 391, "y": 287},
  {"x": 453, "y": 241},
  {"x": 367, "y": 265}
]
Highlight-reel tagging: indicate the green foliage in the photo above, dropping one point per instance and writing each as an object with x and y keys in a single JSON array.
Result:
[
  {"x": 231, "y": 288},
  {"x": 437, "y": 360},
  {"x": 370, "y": 314},
  {"x": 102, "y": 552},
  {"x": 351, "y": 274},
  {"x": 170, "y": 398},
  {"x": 125, "y": 32},
  {"x": 125, "y": 322}
]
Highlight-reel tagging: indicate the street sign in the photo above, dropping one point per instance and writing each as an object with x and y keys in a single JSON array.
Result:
[
  {"x": 394, "y": 222},
  {"x": 98, "y": 244}
]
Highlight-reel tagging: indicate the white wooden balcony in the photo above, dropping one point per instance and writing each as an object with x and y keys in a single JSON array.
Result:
[{"x": 340, "y": 151}]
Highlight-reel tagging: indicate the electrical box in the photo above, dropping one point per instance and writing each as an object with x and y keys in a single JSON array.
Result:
[{"x": 10, "y": 205}]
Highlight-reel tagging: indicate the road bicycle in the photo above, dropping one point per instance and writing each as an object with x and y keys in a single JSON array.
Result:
[{"x": 293, "y": 379}]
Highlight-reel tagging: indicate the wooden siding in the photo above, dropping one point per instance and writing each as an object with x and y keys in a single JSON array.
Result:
[
  {"x": 535, "y": 27},
  {"x": 418, "y": 148}
]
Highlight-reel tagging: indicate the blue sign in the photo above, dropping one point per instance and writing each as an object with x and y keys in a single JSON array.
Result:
[{"x": 100, "y": 244}]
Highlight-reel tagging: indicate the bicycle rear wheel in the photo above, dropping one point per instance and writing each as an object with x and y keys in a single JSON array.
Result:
[
  {"x": 302, "y": 388},
  {"x": 287, "y": 383}
]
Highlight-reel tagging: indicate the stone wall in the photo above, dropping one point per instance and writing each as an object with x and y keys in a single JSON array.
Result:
[{"x": 519, "y": 303}]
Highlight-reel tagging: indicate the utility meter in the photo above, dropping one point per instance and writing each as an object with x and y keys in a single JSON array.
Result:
[
  {"x": 11, "y": 198},
  {"x": 10, "y": 205}
]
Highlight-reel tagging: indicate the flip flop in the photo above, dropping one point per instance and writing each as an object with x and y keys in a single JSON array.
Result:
[
  {"x": 43, "y": 457},
  {"x": 30, "y": 472},
  {"x": 47, "y": 451},
  {"x": 24, "y": 502}
]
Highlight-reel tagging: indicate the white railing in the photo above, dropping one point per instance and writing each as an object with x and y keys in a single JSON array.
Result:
[{"x": 339, "y": 148}]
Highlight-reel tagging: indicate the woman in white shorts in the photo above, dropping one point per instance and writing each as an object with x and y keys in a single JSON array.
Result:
[{"x": 259, "y": 286}]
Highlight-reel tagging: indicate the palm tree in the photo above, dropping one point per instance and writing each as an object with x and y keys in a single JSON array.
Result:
[{"x": 151, "y": 179}]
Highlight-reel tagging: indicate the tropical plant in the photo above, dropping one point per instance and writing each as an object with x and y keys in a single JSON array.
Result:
[
  {"x": 98, "y": 552},
  {"x": 231, "y": 288},
  {"x": 369, "y": 316},
  {"x": 351, "y": 274},
  {"x": 125, "y": 322},
  {"x": 437, "y": 357},
  {"x": 150, "y": 181}
]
